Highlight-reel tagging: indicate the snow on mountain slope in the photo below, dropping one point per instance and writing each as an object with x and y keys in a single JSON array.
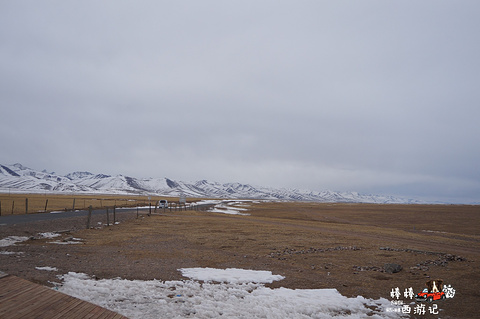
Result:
[
  {"x": 78, "y": 175},
  {"x": 20, "y": 178},
  {"x": 7, "y": 171}
]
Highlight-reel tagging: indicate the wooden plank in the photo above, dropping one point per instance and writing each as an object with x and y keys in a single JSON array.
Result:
[
  {"x": 79, "y": 311},
  {"x": 46, "y": 310},
  {"x": 94, "y": 313},
  {"x": 99, "y": 314},
  {"x": 106, "y": 315},
  {"x": 85, "y": 309},
  {"x": 25, "y": 302},
  {"x": 17, "y": 300},
  {"x": 42, "y": 305},
  {"x": 32, "y": 304},
  {"x": 20, "y": 298},
  {"x": 60, "y": 305},
  {"x": 74, "y": 309},
  {"x": 10, "y": 284},
  {"x": 67, "y": 309}
]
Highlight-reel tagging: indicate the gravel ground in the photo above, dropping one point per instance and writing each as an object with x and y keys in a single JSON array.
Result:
[
  {"x": 61, "y": 224},
  {"x": 22, "y": 258}
]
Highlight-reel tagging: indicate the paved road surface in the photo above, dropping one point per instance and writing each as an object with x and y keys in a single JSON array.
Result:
[{"x": 20, "y": 219}]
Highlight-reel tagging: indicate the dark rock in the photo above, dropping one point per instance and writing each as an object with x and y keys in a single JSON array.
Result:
[{"x": 392, "y": 268}]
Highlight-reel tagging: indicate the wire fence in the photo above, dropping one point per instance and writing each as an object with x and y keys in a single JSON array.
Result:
[{"x": 12, "y": 204}]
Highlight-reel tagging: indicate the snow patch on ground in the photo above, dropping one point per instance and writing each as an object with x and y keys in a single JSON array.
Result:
[
  {"x": 10, "y": 253},
  {"x": 47, "y": 268},
  {"x": 237, "y": 297},
  {"x": 230, "y": 275},
  {"x": 434, "y": 231},
  {"x": 70, "y": 242},
  {"x": 49, "y": 235},
  {"x": 227, "y": 207},
  {"x": 12, "y": 240},
  {"x": 67, "y": 241},
  {"x": 208, "y": 202}
]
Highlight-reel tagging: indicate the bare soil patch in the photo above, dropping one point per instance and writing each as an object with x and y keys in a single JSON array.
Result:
[{"x": 342, "y": 246}]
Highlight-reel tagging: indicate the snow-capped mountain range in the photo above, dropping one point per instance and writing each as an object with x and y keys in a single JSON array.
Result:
[{"x": 19, "y": 178}]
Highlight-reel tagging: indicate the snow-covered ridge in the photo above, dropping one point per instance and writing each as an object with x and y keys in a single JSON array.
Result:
[{"x": 23, "y": 179}]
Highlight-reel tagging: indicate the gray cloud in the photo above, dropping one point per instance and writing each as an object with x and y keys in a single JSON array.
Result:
[{"x": 372, "y": 96}]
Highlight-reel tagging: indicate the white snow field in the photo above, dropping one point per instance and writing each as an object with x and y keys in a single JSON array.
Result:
[
  {"x": 12, "y": 240},
  {"x": 213, "y": 295},
  {"x": 227, "y": 207}
]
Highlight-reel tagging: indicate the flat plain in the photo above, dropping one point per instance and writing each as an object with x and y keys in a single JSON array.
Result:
[{"x": 314, "y": 245}]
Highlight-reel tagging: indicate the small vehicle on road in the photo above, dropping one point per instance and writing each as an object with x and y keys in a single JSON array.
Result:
[{"x": 162, "y": 203}]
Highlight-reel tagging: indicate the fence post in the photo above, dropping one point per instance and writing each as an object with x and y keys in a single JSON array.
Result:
[
  {"x": 46, "y": 203},
  {"x": 137, "y": 211},
  {"x": 73, "y": 208},
  {"x": 89, "y": 216},
  {"x": 114, "y": 215},
  {"x": 26, "y": 205},
  {"x": 108, "y": 218},
  {"x": 0, "y": 208},
  {"x": 13, "y": 206}
]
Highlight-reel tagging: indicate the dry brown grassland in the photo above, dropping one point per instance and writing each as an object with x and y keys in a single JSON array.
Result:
[{"x": 314, "y": 245}]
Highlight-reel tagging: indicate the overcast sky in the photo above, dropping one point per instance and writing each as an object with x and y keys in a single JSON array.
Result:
[{"x": 378, "y": 97}]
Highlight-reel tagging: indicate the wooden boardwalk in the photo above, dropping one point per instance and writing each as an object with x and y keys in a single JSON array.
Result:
[{"x": 20, "y": 298}]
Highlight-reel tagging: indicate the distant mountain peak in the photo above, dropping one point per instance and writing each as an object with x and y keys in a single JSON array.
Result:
[
  {"x": 20, "y": 166},
  {"x": 78, "y": 175},
  {"x": 102, "y": 176}
]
